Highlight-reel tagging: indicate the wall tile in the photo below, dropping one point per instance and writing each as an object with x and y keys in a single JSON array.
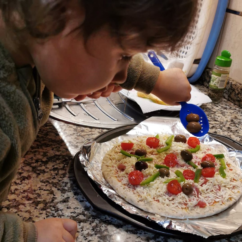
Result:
[{"x": 235, "y": 5}]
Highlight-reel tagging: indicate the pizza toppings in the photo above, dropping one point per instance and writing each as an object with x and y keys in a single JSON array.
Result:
[
  {"x": 121, "y": 167},
  {"x": 206, "y": 164},
  {"x": 150, "y": 179},
  {"x": 165, "y": 148},
  {"x": 157, "y": 166},
  {"x": 171, "y": 182},
  {"x": 193, "y": 127},
  {"x": 135, "y": 177},
  {"x": 222, "y": 163},
  {"x": 170, "y": 160},
  {"x": 208, "y": 172},
  {"x": 127, "y": 146},
  {"x": 222, "y": 167},
  {"x": 141, "y": 165},
  {"x": 205, "y": 181},
  {"x": 164, "y": 172},
  {"x": 194, "y": 150},
  {"x": 169, "y": 140},
  {"x": 180, "y": 175},
  {"x": 180, "y": 138},
  {"x": 192, "y": 164},
  {"x": 148, "y": 159},
  {"x": 196, "y": 190},
  {"x": 208, "y": 157},
  {"x": 152, "y": 142},
  {"x": 139, "y": 158},
  {"x": 222, "y": 172},
  {"x": 219, "y": 156},
  {"x": 179, "y": 179},
  {"x": 172, "y": 179},
  {"x": 189, "y": 174},
  {"x": 201, "y": 204},
  {"x": 187, "y": 188},
  {"x": 186, "y": 155},
  {"x": 174, "y": 187},
  {"x": 128, "y": 154},
  {"x": 192, "y": 117},
  {"x": 141, "y": 152},
  {"x": 193, "y": 142},
  {"x": 168, "y": 144},
  {"x": 198, "y": 174}
]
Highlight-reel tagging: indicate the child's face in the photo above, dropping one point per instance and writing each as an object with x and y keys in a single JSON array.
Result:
[{"x": 68, "y": 68}]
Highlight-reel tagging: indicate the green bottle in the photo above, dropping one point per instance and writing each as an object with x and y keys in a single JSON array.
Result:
[{"x": 220, "y": 76}]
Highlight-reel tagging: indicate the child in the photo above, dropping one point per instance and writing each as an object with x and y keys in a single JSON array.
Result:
[{"x": 80, "y": 48}]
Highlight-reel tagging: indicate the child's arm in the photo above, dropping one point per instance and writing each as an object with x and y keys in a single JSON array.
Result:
[
  {"x": 18, "y": 129},
  {"x": 12, "y": 228},
  {"x": 171, "y": 86}
]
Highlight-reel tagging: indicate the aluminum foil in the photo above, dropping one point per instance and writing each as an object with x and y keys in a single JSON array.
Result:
[{"x": 223, "y": 223}]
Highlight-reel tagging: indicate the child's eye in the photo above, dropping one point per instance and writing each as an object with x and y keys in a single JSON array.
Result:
[{"x": 126, "y": 57}]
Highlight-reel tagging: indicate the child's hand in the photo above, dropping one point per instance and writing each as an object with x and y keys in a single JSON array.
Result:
[
  {"x": 172, "y": 87},
  {"x": 56, "y": 230},
  {"x": 104, "y": 92}
]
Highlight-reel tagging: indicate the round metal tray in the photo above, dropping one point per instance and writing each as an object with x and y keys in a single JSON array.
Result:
[{"x": 102, "y": 203}]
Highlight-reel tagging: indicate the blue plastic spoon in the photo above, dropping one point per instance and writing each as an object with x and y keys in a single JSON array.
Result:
[{"x": 186, "y": 108}]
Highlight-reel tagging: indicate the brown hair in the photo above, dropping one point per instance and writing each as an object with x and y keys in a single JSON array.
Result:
[{"x": 154, "y": 23}]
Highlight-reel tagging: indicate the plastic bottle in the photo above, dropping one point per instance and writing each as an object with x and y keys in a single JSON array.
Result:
[{"x": 219, "y": 76}]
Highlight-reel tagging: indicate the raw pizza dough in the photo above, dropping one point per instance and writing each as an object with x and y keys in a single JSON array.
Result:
[{"x": 218, "y": 193}]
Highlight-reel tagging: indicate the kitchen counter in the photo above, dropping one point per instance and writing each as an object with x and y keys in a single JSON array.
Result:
[{"x": 45, "y": 185}]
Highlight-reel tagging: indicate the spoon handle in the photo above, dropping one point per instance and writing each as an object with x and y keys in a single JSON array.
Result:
[
  {"x": 183, "y": 104},
  {"x": 155, "y": 60}
]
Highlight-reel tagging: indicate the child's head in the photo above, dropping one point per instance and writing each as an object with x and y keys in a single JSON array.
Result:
[{"x": 88, "y": 43}]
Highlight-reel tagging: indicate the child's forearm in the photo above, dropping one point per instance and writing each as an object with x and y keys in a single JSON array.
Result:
[
  {"x": 142, "y": 76},
  {"x": 172, "y": 87},
  {"x": 12, "y": 228}
]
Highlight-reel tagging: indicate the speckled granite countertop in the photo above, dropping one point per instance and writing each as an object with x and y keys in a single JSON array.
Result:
[{"x": 45, "y": 185}]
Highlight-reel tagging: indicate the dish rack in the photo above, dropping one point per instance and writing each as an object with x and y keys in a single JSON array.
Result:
[
  {"x": 108, "y": 113},
  {"x": 201, "y": 40}
]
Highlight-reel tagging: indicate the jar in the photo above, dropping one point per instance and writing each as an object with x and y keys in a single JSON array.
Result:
[{"x": 220, "y": 75}]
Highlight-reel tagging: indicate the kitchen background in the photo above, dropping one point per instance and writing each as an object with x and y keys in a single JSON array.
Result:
[
  {"x": 45, "y": 185},
  {"x": 230, "y": 39}
]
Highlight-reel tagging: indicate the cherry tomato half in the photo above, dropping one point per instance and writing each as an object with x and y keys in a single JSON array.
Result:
[
  {"x": 208, "y": 157},
  {"x": 189, "y": 174},
  {"x": 135, "y": 177},
  {"x": 208, "y": 172},
  {"x": 152, "y": 142},
  {"x": 170, "y": 160},
  {"x": 201, "y": 204},
  {"x": 174, "y": 187},
  {"x": 127, "y": 146},
  {"x": 193, "y": 142}
]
